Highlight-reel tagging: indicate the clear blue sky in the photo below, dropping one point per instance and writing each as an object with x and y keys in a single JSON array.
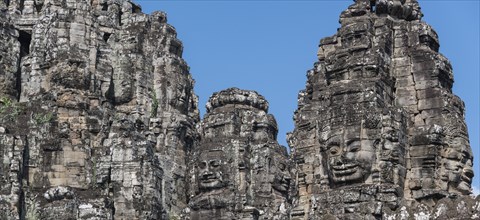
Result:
[{"x": 268, "y": 46}]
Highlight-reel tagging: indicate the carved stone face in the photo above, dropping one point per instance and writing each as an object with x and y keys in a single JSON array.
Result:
[
  {"x": 466, "y": 172},
  {"x": 458, "y": 165},
  {"x": 349, "y": 159},
  {"x": 211, "y": 170},
  {"x": 281, "y": 175},
  {"x": 179, "y": 100}
]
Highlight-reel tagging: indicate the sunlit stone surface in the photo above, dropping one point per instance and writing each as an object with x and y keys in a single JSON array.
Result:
[{"x": 98, "y": 120}]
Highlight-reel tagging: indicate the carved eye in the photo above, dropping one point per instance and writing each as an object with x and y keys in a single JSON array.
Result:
[
  {"x": 465, "y": 157},
  {"x": 282, "y": 167},
  {"x": 214, "y": 163},
  {"x": 202, "y": 165},
  {"x": 355, "y": 149},
  {"x": 354, "y": 146},
  {"x": 334, "y": 150}
]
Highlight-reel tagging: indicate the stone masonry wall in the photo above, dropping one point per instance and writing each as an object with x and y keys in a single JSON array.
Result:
[
  {"x": 99, "y": 112},
  {"x": 98, "y": 120}
]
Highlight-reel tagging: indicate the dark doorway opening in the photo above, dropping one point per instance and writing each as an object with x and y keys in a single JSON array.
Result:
[
  {"x": 106, "y": 36},
  {"x": 22, "y": 5},
  {"x": 25, "y": 39},
  {"x": 38, "y": 7},
  {"x": 120, "y": 13},
  {"x": 104, "y": 6}
]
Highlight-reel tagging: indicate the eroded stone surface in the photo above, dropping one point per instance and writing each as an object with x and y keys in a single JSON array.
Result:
[
  {"x": 99, "y": 112},
  {"x": 240, "y": 170},
  {"x": 377, "y": 124},
  {"x": 98, "y": 120}
]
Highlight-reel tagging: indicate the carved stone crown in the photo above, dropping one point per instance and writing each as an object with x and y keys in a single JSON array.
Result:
[{"x": 237, "y": 96}]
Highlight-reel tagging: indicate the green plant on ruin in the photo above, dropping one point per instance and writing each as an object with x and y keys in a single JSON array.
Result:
[
  {"x": 154, "y": 105},
  {"x": 42, "y": 118},
  {"x": 5, "y": 103},
  {"x": 94, "y": 172},
  {"x": 116, "y": 116},
  {"x": 173, "y": 217},
  {"x": 9, "y": 110},
  {"x": 31, "y": 209}
]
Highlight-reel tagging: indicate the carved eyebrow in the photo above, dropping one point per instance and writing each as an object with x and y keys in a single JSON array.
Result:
[
  {"x": 333, "y": 142},
  {"x": 466, "y": 153},
  {"x": 351, "y": 141},
  {"x": 334, "y": 137}
]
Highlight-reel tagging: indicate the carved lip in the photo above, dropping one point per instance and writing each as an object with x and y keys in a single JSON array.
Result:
[
  {"x": 282, "y": 180},
  {"x": 285, "y": 184},
  {"x": 281, "y": 187},
  {"x": 209, "y": 180},
  {"x": 345, "y": 169},
  {"x": 467, "y": 175}
]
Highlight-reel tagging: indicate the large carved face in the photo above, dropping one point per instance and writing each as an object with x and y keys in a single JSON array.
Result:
[
  {"x": 180, "y": 99},
  {"x": 211, "y": 170},
  {"x": 349, "y": 158},
  {"x": 281, "y": 175},
  {"x": 458, "y": 164}
]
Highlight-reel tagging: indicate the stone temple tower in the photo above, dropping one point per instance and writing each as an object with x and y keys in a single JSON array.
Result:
[
  {"x": 377, "y": 124},
  {"x": 98, "y": 120},
  {"x": 240, "y": 170},
  {"x": 98, "y": 111}
]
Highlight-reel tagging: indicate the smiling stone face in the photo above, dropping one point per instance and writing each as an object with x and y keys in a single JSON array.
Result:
[
  {"x": 349, "y": 158},
  {"x": 210, "y": 172},
  {"x": 281, "y": 175},
  {"x": 458, "y": 165}
]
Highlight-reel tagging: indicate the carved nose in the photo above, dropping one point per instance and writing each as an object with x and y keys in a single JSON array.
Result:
[
  {"x": 339, "y": 162},
  {"x": 344, "y": 155}
]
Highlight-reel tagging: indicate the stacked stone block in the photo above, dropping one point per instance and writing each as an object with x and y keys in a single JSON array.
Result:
[
  {"x": 98, "y": 120},
  {"x": 92, "y": 101}
]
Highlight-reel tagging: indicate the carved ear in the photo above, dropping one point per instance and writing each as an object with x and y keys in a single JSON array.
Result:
[
  {"x": 322, "y": 132},
  {"x": 376, "y": 143},
  {"x": 371, "y": 121}
]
